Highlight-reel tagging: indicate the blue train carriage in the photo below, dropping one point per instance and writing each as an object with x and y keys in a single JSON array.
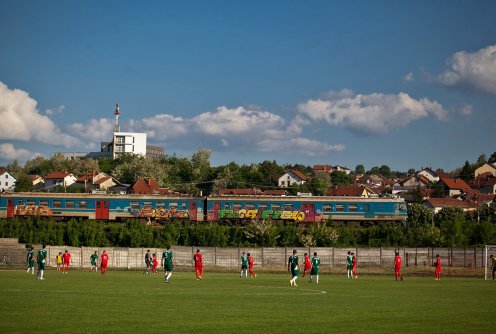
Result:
[
  {"x": 306, "y": 209},
  {"x": 100, "y": 207}
]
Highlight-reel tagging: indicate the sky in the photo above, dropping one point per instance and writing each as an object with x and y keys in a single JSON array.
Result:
[{"x": 407, "y": 84}]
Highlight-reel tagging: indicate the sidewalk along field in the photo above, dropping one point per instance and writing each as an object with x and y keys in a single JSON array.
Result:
[{"x": 130, "y": 302}]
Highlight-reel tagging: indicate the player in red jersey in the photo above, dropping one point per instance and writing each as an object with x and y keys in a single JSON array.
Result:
[
  {"x": 66, "y": 257},
  {"x": 251, "y": 263},
  {"x": 198, "y": 258},
  {"x": 308, "y": 265},
  {"x": 353, "y": 266},
  {"x": 397, "y": 265},
  {"x": 438, "y": 267},
  {"x": 104, "y": 263},
  {"x": 154, "y": 263}
]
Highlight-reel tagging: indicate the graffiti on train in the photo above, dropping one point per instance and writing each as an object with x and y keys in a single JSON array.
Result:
[{"x": 263, "y": 214}]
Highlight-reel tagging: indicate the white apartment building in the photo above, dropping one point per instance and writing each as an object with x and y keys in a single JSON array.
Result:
[{"x": 129, "y": 142}]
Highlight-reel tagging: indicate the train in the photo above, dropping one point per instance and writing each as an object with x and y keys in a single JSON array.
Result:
[{"x": 228, "y": 209}]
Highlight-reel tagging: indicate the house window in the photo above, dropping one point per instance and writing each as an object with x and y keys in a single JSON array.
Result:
[
  {"x": 6, "y": 176},
  {"x": 6, "y": 184},
  {"x": 119, "y": 148},
  {"x": 120, "y": 140}
]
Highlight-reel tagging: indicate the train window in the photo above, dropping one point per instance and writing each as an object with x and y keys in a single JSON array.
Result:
[
  {"x": 250, "y": 206},
  {"x": 326, "y": 208},
  {"x": 262, "y": 206},
  {"x": 160, "y": 205},
  {"x": 172, "y": 205},
  {"x": 275, "y": 206},
  {"x": 147, "y": 204},
  {"x": 366, "y": 208},
  {"x": 288, "y": 206},
  {"x": 30, "y": 203},
  {"x": 352, "y": 208},
  {"x": 339, "y": 207},
  {"x": 236, "y": 206},
  {"x": 134, "y": 205},
  {"x": 57, "y": 204},
  {"x": 184, "y": 206},
  {"x": 226, "y": 206},
  {"x": 83, "y": 204},
  {"x": 70, "y": 204},
  {"x": 44, "y": 202},
  {"x": 19, "y": 203}
]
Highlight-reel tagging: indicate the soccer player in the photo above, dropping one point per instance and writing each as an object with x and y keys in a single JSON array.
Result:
[
  {"x": 438, "y": 267},
  {"x": 41, "y": 260},
  {"x": 93, "y": 259},
  {"x": 349, "y": 264},
  {"x": 353, "y": 265},
  {"x": 493, "y": 262},
  {"x": 30, "y": 260},
  {"x": 315, "y": 268},
  {"x": 198, "y": 259},
  {"x": 293, "y": 266},
  {"x": 67, "y": 261},
  {"x": 307, "y": 266},
  {"x": 397, "y": 265},
  {"x": 58, "y": 260},
  {"x": 148, "y": 262},
  {"x": 244, "y": 265},
  {"x": 251, "y": 263},
  {"x": 155, "y": 263},
  {"x": 167, "y": 263},
  {"x": 104, "y": 262}
]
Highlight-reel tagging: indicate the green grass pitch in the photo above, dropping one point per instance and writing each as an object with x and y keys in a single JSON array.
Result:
[{"x": 129, "y": 302}]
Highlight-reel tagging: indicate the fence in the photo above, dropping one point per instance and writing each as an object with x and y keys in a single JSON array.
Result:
[{"x": 276, "y": 258}]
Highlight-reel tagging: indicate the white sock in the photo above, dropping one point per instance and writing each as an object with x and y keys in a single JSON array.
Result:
[
  {"x": 317, "y": 280},
  {"x": 241, "y": 273},
  {"x": 169, "y": 275}
]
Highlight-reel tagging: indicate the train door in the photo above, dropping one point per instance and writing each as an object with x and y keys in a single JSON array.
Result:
[
  {"x": 102, "y": 209},
  {"x": 10, "y": 208},
  {"x": 216, "y": 210},
  {"x": 309, "y": 210},
  {"x": 193, "y": 210}
]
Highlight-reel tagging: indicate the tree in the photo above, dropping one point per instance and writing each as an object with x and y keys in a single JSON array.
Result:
[
  {"x": 418, "y": 214},
  {"x": 385, "y": 171},
  {"x": 319, "y": 184},
  {"x": 14, "y": 169},
  {"x": 201, "y": 163},
  {"x": 481, "y": 160},
  {"x": 341, "y": 179},
  {"x": 492, "y": 158},
  {"x": 23, "y": 183},
  {"x": 359, "y": 169},
  {"x": 411, "y": 171},
  {"x": 271, "y": 171},
  {"x": 467, "y": 172}
]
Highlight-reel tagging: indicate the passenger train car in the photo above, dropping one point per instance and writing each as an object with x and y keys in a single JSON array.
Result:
[{"x": 230, "y": 209}]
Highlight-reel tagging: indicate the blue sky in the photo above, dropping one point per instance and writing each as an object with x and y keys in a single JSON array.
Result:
[{"x": 408, "y": 84}]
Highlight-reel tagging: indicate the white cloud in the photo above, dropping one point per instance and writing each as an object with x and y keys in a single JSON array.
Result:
[
  {"x": 93, "y": 131},
  {"x": 467, "y": 110},
  {"x": 21, "y": 120},
  {"x": 55, "y": 111},
  {"x": 476, "y": 70},
  {"x": 373, "y": 114},
  {"x": 9, "y": 152},
  {"x": 408, "y": 77}
]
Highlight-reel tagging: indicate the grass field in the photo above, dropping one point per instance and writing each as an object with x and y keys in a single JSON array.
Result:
[{"x": 129, "y": 302}]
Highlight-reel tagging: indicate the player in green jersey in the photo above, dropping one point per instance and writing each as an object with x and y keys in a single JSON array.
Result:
[
  {"x": 315, "y": 268},
  {"x": 93, "y": 259},
  {"x": 293, "y": 266},
  {"x": 30, "y": 260},
  {"x": 244, "y": 265},
  {"x": 41, "y": 259},
  {"x": 349, "y": 264},
  {"x": 167, "y": 263}
]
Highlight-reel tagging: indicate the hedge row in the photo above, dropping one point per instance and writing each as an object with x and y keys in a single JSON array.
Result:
[{"x": 449, "y": 233}]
